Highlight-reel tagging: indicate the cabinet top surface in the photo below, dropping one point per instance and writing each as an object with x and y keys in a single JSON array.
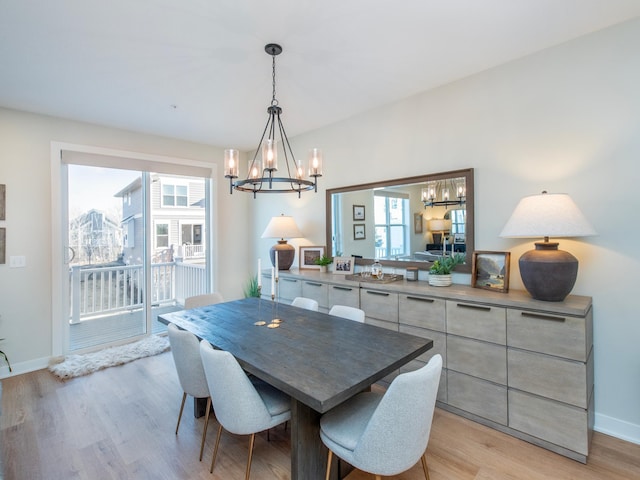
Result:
[{"x": 576, "y": 305}]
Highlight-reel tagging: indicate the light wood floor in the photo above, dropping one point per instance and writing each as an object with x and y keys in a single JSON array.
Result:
[{"x": 119, "y": 424}]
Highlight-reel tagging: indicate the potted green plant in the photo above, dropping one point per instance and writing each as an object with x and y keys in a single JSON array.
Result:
[
  {"x": 440, "y": 271},
  {"x": 251, "y": 287},
  {"x": 323, "y": 262}
]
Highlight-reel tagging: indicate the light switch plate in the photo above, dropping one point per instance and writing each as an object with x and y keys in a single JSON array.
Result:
[{"x": 17, "y": 261}]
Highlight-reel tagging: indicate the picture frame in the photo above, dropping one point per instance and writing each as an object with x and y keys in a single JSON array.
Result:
[
  {"x": 359, "y": 232},
  {"x": 343, "y": 265},
  {"x": 490, "y": 270},
  {"x": 417, "y": 223},
  {"x": 3, "y": 246},
  {"x": 3, "y": 201},
  {"x": 308, "y": 255},
  {"x": 358, "y": 212}
]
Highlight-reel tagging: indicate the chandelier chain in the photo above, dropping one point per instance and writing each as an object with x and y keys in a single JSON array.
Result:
[{"x": 274, "y": 101}]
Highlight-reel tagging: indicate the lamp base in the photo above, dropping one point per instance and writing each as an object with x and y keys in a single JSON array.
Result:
[
  {"x": 548, "y": 274},
  {"x": 286, "y": 254}
]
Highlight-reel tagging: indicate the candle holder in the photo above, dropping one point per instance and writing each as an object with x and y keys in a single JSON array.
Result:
[{"x": 276, "y": 321}]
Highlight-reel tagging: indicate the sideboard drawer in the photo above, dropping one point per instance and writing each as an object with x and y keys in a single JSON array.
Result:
[
  {"x": 563, "y": 380},
  {"x": 476, "y": 396},
  {"x": 379, "y": 304},
  {"x": 567, "y": 337},
  {"x": 439, "y": 342},
  {"x": 316, "y": 291},
  {"x": 480, "y": 359},
  {"x": 342, "y": 295},
  {"x": 477, "y": 321},
  {"x": 288, "y": 288},
  {"x": 381, "y": 323},
  {"x": 554, "y": 422},
  {"x": 422, "y": 312}
]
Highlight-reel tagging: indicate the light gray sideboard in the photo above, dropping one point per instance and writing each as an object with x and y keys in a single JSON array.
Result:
[{"x": 519, "y": 365}]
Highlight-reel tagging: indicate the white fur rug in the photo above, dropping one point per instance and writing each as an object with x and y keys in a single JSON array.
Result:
[{"x": 77, "y": 365}]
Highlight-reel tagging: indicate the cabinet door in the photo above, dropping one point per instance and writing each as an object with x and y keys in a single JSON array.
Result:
[
  {"x": 439, "y": 342},
  {"x": 343, "y": 295},
  {"x": 481, "y": 322},
  {"x": 476, "y": 396},
  {"x": 420, "y": 311},
  {"x": 480, "y": 359},
  {"x": 317, "y": 291}
]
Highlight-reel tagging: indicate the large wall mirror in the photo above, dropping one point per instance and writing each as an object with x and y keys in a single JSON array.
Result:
[{"x": 403, "y": 222}]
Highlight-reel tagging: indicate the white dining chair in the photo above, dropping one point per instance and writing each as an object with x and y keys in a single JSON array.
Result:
[
  {"x": 186, "y": 356},
  {"x": 385, "y": 434},
  {"x": 203, "y": 300},
  {"x": 350, "y": 313},
  {"x": 304, "y": 302},
  {"x": 242, "y": 406}
]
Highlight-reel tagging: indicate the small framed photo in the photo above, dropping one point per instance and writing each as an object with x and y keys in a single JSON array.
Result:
[
  {"x": 417, "y": 223},
  {"x": 343, "y": 265},
  {"x": 3, "y": 246},
  {"x": 308, "y": 256},
  {"x": 490, "y": 270},
  {"x": 3, "y": 201},
  {"x": 359, "y": 231},
  {"x": 358, "y": 212}
]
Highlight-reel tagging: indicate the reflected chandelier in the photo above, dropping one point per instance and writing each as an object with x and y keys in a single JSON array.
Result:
[
  {"x": 261, "y": 172},
  {"x": 443, "y": 190}
]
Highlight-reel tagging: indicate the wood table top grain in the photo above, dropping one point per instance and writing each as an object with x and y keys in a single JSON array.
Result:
[{"x": 318, "y": 359}]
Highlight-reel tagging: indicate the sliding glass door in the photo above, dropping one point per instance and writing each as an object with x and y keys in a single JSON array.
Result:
[{"x": 136, "y": 246}]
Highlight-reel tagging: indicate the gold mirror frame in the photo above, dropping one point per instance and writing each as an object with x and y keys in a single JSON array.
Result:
[{"x": 467, "y": 174}]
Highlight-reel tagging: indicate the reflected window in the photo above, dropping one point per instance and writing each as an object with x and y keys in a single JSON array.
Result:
[{"x": 391, "y": 214}]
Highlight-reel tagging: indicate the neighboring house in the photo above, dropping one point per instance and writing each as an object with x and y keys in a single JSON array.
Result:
[
  {"x": 177, "y": 218},
  {"x": 95, "y": 238}
]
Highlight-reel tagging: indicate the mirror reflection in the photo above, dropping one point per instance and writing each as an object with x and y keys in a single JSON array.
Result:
[{"x": 403, "y": 221}]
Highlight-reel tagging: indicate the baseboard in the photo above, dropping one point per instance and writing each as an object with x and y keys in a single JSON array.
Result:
[
  {"x": 614, "y": 427},
  {"x": 24, "y": 367}
]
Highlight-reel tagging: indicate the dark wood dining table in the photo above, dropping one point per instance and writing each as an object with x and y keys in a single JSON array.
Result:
[{"x": 318, "y": 359}]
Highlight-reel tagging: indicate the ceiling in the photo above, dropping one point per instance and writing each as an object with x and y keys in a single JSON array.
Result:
[{"x": 197, "y": 70}]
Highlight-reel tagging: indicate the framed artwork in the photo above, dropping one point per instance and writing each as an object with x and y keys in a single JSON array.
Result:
[
  {"x": 417, "y": 223},
  {"x": 3, "y": 201},
  {"x": 3, "y": 246},
  {"x": 490, "y": 270},
  {"x": 308, "y": 256},
  {"x": 359, "y": 231},
  {"x": 343, "y": 265},
  {"x": 358, "y": 212}
]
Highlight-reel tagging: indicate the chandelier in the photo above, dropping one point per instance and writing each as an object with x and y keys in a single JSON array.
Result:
[
  {"x": 262, "y": 176},
  {"x": 444, "y": 193}
]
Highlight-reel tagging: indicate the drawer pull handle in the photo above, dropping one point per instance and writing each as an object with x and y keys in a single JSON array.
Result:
[
  {"x": 542, "y": 317},
  {"x": 289, "y": 280},
  {"x": 346, "y": 289},
  {"x": 382, "y": 294},
  {"x": 313, "y": 284},
  {"x": 419, "y": 299},
  {"x": 474, "y": 307}
]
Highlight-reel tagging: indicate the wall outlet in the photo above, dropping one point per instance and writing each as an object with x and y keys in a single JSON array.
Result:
[{"x": 17, "y": 261}]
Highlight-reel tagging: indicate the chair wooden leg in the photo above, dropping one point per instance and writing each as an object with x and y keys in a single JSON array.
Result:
[
  {"x": 330, "y": 457},
  {"x": 215, "y": 449},
  {"x": 378, "y": 477},
  {"x": 206, "y": 424},
  {"x": 184, "y": 397},
  {"x": 251, "y": 442},
  {"x": 424, "y": 466}
]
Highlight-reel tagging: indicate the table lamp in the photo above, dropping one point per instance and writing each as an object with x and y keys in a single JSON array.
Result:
[
  {"x": 437, "y": 227},
  {"x": 548, "y": 274},
  {"x": 282, "y": 227}
]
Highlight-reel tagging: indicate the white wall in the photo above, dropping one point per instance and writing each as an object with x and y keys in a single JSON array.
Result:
[
  {"x": 566, "y": 120},
  {"x": 25, "y": 167}
]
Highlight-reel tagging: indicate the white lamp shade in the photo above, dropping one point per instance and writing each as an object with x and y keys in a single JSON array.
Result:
[
  {"x": 437, "y": 225},
  {"x": 547, "y": 215},
  {"x": 282, "y": 227}
]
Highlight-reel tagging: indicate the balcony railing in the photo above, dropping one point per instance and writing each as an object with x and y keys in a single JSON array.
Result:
[{"x": 104, "y": 291}]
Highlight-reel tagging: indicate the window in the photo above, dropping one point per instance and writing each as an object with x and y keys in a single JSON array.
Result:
[
  {"x": 174, "y": 195},
  {"x": 391, "y": 224},
  {"x": 162, "y": 235}
]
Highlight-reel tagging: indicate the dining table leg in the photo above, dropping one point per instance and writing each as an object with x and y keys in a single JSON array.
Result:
[{"x": 308, "y": 453}]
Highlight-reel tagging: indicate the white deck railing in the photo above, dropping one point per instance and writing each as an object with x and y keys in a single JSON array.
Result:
[{"x": 107, "y": 290}]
